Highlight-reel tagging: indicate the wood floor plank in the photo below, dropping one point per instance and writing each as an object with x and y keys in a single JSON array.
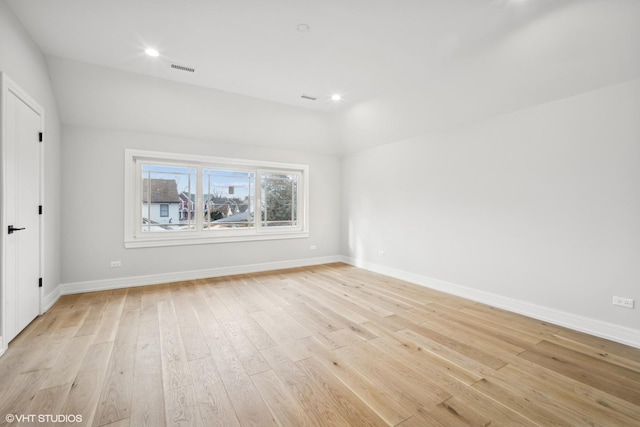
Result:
[
  {"x": 599, "y": 343},
  {"x": 149, "y": 407},
  {"x": 255, "y": 333},
  {"x": 262, "y": 284},
  {"x": 322, "y": 345},
  {"x": 414, "y": 390},
  {"x": 175, "y": 369},
  {"x": 17, "y": 397},
  {"x": 193, "y": 341},
  {"x": 282, "y": 404},
  {"x": 182, "y": 409},
  {"x": 249, "y": 407},
  {"x": 421, "y": 419},
  {"x": 569, "y": 392},
  {"x": 55, "y": 345},
  {"x": 311, "y": 398},
  {"x": 249, "y": 290},
  {"x": 247, "y": 353},
  {"x": 117, "y": 390},
  {"x": 586, "y": 369},
  {"x": 346, "y": 403},
  {"x": 66, "y": 365},
  {"x": 49, "y": 400},
  {"x": 39, "y": 331},
  {"x": 459, "y": 345},
  {"x": 413, "y": 356},
  {"x": 280, "y": 326},
  {"x": 211, "y": 396},
  {"x": 333, "y": 315},
  {"x": 317, "y": 329},
  {"x": 515, "y": 395},
  {"x": 329, "y": 299},
  {"x": 15, "y": 361},
  {"x": 382, "y": 402},
  {"x": 455, "y": 412},
  {"x": 519, "y": 339},
  {"x": 475, "y": 336},
  {"x": 487, "y": 318},
  {"x": 85, "y": 391},
  {"x": 92, "y": 319},
  {"x": 410, "y": 298},
  {"x": 216, "y": 305},
  {"x": 358, "y": 299},
  {"x": 598, "y": 353}
]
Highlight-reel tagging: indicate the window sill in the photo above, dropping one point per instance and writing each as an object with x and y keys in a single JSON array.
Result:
[{"x": 151, "y": 242}]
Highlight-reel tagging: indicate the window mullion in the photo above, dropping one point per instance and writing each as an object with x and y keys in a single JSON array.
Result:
[
  {"x": 138, "y": 197},
  {"x": 294, "y": 195},
  {"x": 258, "y": 198},
  {"x": 199, "y": 207},
  {"x": 299, "y": 202}
]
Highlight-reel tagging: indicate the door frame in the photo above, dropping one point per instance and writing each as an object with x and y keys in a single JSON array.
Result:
[{"x": 7, "y": 87}]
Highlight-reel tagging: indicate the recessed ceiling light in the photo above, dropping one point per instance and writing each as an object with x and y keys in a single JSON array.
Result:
[
  {"x": 152, "y": 52},
  {"x": 304, "y": 28},
  {"x": 336, "y": 97}
]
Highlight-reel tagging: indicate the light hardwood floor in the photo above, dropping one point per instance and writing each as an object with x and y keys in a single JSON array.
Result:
[{"x": 328, "y": 345}]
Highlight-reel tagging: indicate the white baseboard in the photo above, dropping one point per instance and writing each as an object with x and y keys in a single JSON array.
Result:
[
  {"x": 156, "y": 279},
  {"x": 587, "y": 325},
  {"x": 50, "y": 299}
]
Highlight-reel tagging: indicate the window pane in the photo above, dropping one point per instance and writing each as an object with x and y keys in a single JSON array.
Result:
[
  {"x": 168, "y": 198},
  {"x": 228, "y": 199},
  {"x": 279, "y": 199}
]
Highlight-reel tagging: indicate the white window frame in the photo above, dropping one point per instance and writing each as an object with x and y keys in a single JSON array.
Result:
[{"x": 135, "y": 238}]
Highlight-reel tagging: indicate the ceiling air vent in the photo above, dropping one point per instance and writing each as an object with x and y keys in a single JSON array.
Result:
[
  {"x": 310, "y": 98},
  {"x": 183, "y": 68}
]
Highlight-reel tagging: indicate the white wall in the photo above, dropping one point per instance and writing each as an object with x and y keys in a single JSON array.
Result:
[
  {"x": 539, "y": 205},
  {"x": 107, "y": 111},
  {"x": 93, "y": 176},
  {"x": 99, "y": 97},
  {"x": 573, "y": 48},
  {"x": 23, "y": 62}
]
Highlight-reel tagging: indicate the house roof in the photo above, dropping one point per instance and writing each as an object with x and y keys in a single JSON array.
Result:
[
  {"x": 160, "y": 191},
  {"x": 238, "y": 217},
  {"x": 188, "y": 196}
]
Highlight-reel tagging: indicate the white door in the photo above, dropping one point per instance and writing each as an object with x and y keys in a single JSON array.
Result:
[{"x": 21, "y": 163}]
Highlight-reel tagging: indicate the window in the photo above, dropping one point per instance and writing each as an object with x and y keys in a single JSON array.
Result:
[
  {"x": 279, "y": 199},
  {"x": 175, "y": 199}
]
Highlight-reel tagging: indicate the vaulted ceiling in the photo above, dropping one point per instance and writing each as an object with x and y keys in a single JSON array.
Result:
[{"x": 453, "y": 60}]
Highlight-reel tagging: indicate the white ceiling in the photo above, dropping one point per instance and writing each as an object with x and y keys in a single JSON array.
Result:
[
  {"x": 404, "y": 67},
  {"x": 252, "y": 47}
]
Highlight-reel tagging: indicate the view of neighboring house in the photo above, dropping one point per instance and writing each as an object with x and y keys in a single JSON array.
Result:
[
  {"x": 215, "y": 208},
  {"x": 160, "y": 201},
  {"x": 222, "y": 207},
  {"x": 187, "y": 206}
]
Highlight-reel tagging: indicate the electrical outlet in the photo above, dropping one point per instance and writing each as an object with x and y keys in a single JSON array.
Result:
[
  {"x": 313, "y": 247},
  {"x": 116, "y": 264},
  {"x": 380, "y": 253},
  {"x": 623, "y": 302}
]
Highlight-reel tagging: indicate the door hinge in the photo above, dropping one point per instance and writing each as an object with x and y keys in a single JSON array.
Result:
[
  {"x": 40, "y": 210},
  {"x": 40, "y": 137},
  {"x": 40, "y": 282}
]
